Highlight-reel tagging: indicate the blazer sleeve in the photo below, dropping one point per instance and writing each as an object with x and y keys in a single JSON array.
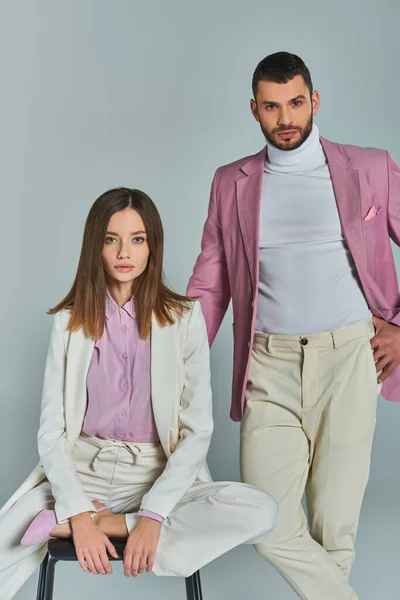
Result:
[
  {"x": 209, "y": 281},
  {"x": 394, "y": 211},
  {"x": 195, "y": 423},
  {"x": 54, "y": 451},
  {"x": 394, "y": 199}
]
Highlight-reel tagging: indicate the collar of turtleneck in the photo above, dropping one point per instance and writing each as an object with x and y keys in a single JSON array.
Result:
[{"x": 307, "y": 156}]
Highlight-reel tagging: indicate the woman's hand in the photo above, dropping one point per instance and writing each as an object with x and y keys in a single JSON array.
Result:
[
  {"x": 141, "y": 547},
  {"x": 91, "y": 545}
]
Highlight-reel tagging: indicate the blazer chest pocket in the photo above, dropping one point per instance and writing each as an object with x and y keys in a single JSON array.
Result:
[{"x": 373, "y": 217}]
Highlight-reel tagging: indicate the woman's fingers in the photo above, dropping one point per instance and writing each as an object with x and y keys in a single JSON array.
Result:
[
  {"x": 128, "y": 557},
  {"x": 132, "y": 560},
  {"x": 111, "y": 549},
  {"x": 90, "y": 563},
  {"x": 105, "y": 561},
  {"x": 150, "y": 561},
  {"x": 82, "y": 563},
  {"x": 135, "y": 563},
  {"x": 97, "y": 561},
  {"x": 142, "y": 563}
]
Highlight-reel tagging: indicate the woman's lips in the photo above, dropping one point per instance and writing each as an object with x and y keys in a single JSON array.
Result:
[{"x": 124, "y": 268}]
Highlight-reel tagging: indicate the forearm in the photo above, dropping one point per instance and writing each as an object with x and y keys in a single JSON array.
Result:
[
  {"x": 59, "y": 467},
  {"x": 179, "y": 475}
]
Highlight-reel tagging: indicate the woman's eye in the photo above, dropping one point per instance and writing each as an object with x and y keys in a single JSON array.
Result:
[
  {"x": 138, "y": 240},
  {"x": 110, "y": 240}
]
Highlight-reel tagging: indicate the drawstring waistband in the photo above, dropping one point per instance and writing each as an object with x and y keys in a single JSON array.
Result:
[{"x": 134, "y": 450}]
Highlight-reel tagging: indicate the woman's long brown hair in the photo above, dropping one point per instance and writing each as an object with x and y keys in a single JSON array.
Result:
[{"x": 86, "y": 300}]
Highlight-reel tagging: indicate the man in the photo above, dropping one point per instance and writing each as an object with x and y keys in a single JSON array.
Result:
[{"x": 298, "y": 236}]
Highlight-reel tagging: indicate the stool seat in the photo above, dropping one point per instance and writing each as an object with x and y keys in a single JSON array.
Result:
[{"x": 64, "y": 550}]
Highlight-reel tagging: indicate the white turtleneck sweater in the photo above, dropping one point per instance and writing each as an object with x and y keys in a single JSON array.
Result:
[{"x": 308, "y": 281}]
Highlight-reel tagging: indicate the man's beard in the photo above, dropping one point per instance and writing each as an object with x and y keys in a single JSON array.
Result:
[{"x": 304, "y": 133}]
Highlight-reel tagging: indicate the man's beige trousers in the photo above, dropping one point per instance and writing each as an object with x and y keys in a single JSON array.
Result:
[{"x": 308, "y": 426}]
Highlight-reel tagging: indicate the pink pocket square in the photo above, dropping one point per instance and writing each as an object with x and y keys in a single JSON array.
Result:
[{"x": 371, "y": 213}]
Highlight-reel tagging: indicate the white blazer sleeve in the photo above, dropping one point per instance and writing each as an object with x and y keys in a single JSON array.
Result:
[
  {"x": 195, "y": 422},
  {"x": 54, "y": 451}
]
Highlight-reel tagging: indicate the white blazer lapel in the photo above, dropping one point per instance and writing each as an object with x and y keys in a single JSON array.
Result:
[
  {"x": 164, "y": 374},
  {"x": 164, "y": 383},
  {"x": 80, "y": 350}
]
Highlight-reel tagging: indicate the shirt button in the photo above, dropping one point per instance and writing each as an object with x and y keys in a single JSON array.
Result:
[
  {"x": 121, "y": 436},
  {"x": 123, "y": 412},
  {"x": 126, "y": 385},
  {"x": 123, "y": 327},
  {"x": 304, "y": 341},
  {"x": 124, "y": 355}
]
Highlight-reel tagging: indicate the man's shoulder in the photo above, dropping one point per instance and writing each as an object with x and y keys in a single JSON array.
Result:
[
  {"x": 359, "y": 156},
  {"x": 232, "y": 168}
]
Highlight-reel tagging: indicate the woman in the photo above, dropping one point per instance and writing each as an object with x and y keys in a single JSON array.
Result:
[{"x": 126, "y": 419}]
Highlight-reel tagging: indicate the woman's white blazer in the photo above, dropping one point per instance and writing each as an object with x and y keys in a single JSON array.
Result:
[{"x": 182, "y": 406}]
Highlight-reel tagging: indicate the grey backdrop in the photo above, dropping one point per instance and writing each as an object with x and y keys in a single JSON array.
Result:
[{"x": 154, "y": 95}]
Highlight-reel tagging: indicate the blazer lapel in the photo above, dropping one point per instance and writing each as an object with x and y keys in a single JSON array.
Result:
[
  {"x": 346, "y": 187},
  {"x": 80, "y": 350},
  {"x": 248, "y": 195},
  {"x": 163, "y": 378}
]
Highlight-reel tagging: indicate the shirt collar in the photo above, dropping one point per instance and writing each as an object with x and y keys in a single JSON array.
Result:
[{"x": 112, "y": 307}]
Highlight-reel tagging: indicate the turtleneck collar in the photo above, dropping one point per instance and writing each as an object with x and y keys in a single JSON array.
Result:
[{"x": 307, "y": 156}]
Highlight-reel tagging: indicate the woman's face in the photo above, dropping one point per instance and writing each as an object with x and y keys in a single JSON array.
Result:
[{"x": 125, "y": 252}]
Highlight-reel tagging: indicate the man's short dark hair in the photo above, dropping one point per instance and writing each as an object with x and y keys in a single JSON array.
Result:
[{"x": 281, "y": 67}]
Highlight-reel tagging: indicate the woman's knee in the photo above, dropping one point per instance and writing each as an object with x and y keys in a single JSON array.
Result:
[
  {"x": 264, "y": 509},
  {"x": 268, "y": 512}
]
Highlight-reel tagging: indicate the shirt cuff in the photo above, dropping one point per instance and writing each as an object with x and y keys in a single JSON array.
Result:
[{"x": 150, "y": 515}]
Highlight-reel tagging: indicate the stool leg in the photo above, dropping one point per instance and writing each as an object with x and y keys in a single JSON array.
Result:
[
  {"x": 189, "y": 588},
  {"x": 193, "y": 587},
  {"x": 198, "y": 592},
  {"x": 49, "y": 584},
  {"x": 42, "y": 578}
]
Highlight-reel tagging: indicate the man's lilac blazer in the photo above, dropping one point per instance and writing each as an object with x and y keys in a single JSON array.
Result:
[{"x": 228, "y": 265}]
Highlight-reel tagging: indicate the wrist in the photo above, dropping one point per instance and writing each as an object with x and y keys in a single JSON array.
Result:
[
  {"x": 84, "y": 517},
  {"x": 143, "y": 512},
  {"x": 147, "y": 520}
]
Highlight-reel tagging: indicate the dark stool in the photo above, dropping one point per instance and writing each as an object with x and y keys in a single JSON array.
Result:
[{"x": 64, "y": 550}]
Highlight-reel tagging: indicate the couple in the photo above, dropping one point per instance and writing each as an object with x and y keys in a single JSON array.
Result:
[{"x": 298, "y": 236}]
